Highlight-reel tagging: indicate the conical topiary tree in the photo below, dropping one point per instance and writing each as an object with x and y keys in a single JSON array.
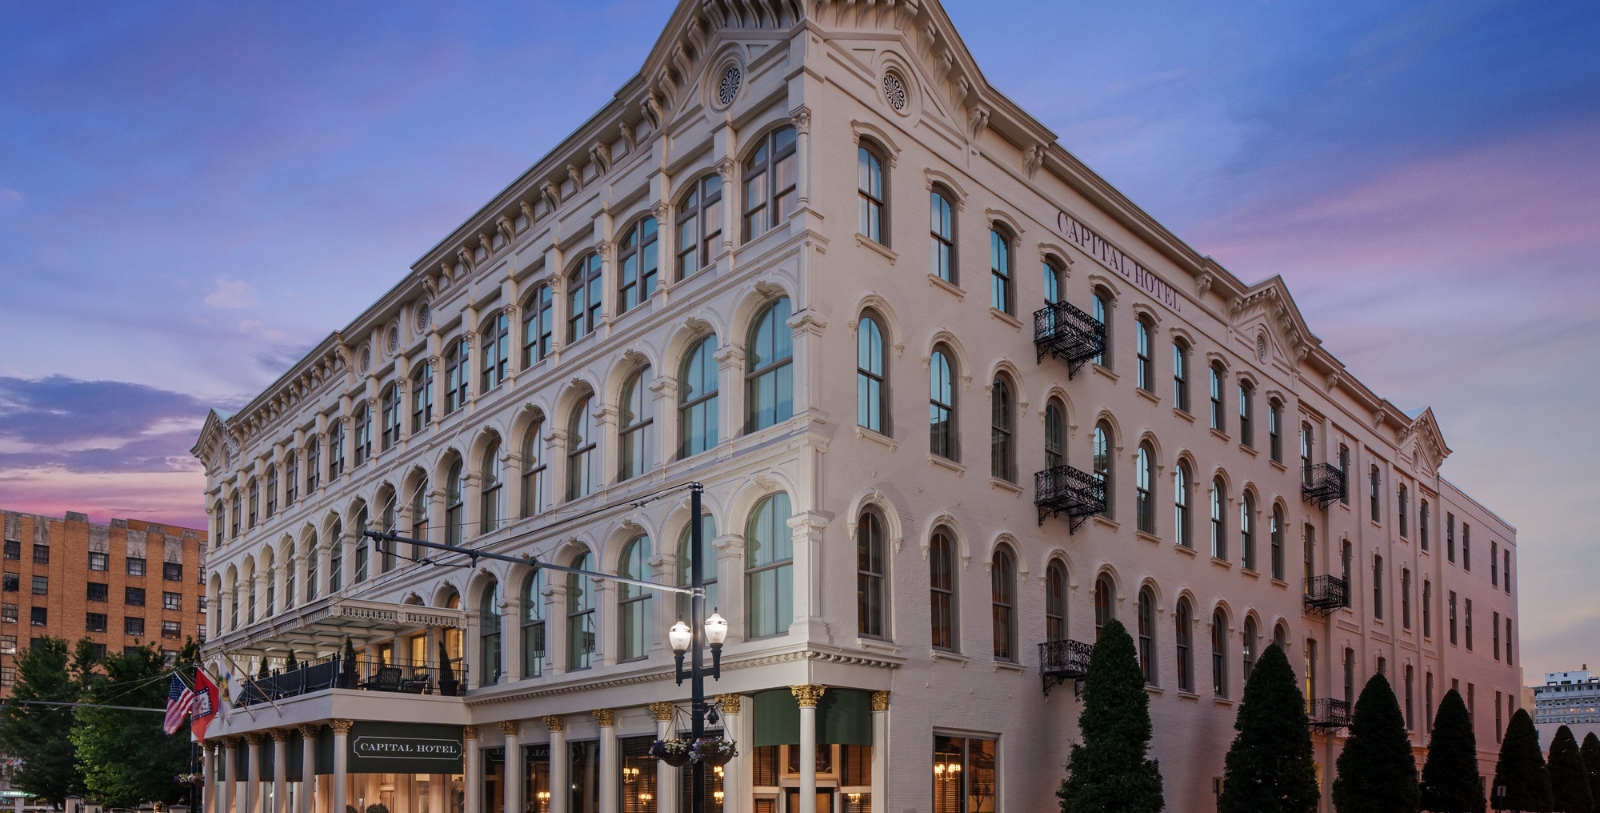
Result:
[
  {"x": 1376, "y": 772},
  {"x": 1520, "y": 779},
  {"x": 1450, "y": 779},
  {"x": 1569, "y": 779},
  {"x": 1271, "y": 767},
  {"x": 1591, "y": 762},
  {"x": 1109, "y": 772}
]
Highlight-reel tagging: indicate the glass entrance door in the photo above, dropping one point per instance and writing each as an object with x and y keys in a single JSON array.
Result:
[{"x": 824, "y": 800}]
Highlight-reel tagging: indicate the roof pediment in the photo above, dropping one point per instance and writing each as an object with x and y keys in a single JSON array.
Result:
[
  {"x": 1424, "y": 441},
  {"x": 1270, "y": 300}
]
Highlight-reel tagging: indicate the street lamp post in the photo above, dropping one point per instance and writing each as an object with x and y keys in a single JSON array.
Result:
[{"x": 687, "y": 639}]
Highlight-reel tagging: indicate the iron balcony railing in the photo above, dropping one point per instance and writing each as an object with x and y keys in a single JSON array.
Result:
[
  {"x": 1327, "y": 713},
  {"x": 1324, "y": 594},
  {"x": 1061, "y": 661},
  {"x": 1322, "y": 483},
  {"x": 1065, "y": 490},
  {"x": 1063, "y": 331},
  {"x": 368, "y": 675}
]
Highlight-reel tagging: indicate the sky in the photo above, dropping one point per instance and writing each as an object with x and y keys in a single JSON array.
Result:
[{"x": 193, "y": 194}]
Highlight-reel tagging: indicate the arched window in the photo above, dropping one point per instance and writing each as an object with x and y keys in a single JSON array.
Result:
[
  {"x": 272, "y": 494},
  {"x": 1102, "y": 464},
  {"x": 941, "y": 405},
  {"x": 942, "y": 236},
  {"x": 419, "y": 516},
  {"x": 363, "y": 438},
  {"x": 1182, "y": 497},
  {"x": 769, "y": 373},
  {"x": 580, "y": 616},
  {"x": 872, "y": 411},
  {"x": 1146, "y": 371},
  {"x": 1247, "y": 531},
  {"x": 489, "y": 635},
  {"x": 1219, "y": 654},
  {"x": 1405, "y": 598},
  {"x": 390, "y": 401},
  {"x": 456, "y": 374},
  {"x": 1055, "y": 450},
  {"x": 538, "y": 325},
  {"x": 869, "y": 184},
  {"x": 769, "y": 571},
  {"x": 313, "y": 465},
  {"x": 769, "y": 183},
  {"x": 1180, "y": 375},
  {"x": 1248, "y": 650},
  {"x": 584, "y": 297},
  {"x": 533, "y": 624},
  {"x": 233, "y": 601},
  {"x": 637, "y": 265},
  {"x": 708, "y": 575},
  {"x": 1427, "y": 609},
  {"x": 496, "y": 352},
  {"x": 870, "y": 575},
  {"x": 1405, "y": 524},
  {"x": 1219, "y": 530},
  {"x": 236, "y": 515},
  {"x": 1003, "y": 591},
  {"x": 491, "y": 488},
  {"x": 1277, "y": 542},
  {"x": 455, "y": 512},
  {"x": 312, "y": 581},
  {"x": 1147, "y": 636},
  {"x": 1247, "y": 414},
  {"x": 288, "y": 576},
  {"x": 697, "y": 399},
  {"x": 1102, "y": 314},
  {"x": 387, "y": 520},
  {"x": 421, "y": 398},
  {"x": 1305, "y": 454},
  {"x": 633, "y": 616},
  {"x": 1377, "y": 587},
  {"x": 336, "y": 436},
  {"x": 1105, "y": 598},
  {"x": 581, "y": 469},
  {"x": 1376, "y": 510},
  {"x": 942, "y": 588},
  {"x": 1280, "y": 636},
  {"x": 1218, "y": 421},
  {"x": 1055, "y": 601},
  {"x": 533, "y": 470},
  {"x": 699, "y": 225},
  {"x": 1183, "y": 623},
  {"x": 1144, "y": 474},
  {"x": 1001, "y": 454},
  {"x": 291, "y": 478},
  {"x": 363, "y": 547},
  {"x": 336, "y": 556},
  {"x": 1000, "y": 294},
  {"x": 1052, "y": 281},
  {"x": 633, "y": 426},
  {"x": 255, "y": 502},
  {"x": 1275, "y": 429}
]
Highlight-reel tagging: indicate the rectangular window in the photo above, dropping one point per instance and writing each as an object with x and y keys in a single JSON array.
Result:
[
  {"x": 963, "y": 774},
  {"x": 1422, "y": 524},
  {"x": 39, "y": 617},
  {"x": 41, "y": 554},
  {"x": 133, "y": 596},
  {"x": 1217, "y": 422},
  {"x": 8, "y": 613},
  {"x": 133, "y": 626},
  {"x": 8, "y": 676},
  {"x": 1405, "y": 598},
  {"x": 1467, "y": 623},
  {"x": 1466, "y": 547},
  {"x": 1494, "y": 564},
  {"x": 172, "y": 571},
  {"x": 1508, "y": 641},
  {"x": 1452, "y": 613},
  {"x": 169, "y": 629},
  {"x": 99, "y": 591},
  {"x": 1377, "y": 587},
  {"x": 100, "y": 562},
  {"x": 95, "y": 622},
  {"x": 1496, "y": 636},
  {"x": 13, "y": 549},
  {"x": 11, "y": 583},
  {"x": 8, "y": 644},
  {"x": 135, "y": 566},
  {"x": 1376, "y": 479},
  {"x": 1247, "y": 434},
  {"x": 41, "y": 585},
  {"x": 172, "y": 601},
  {"x": 1506, "y": 554},
  {"x": 1499, "y": 730}
]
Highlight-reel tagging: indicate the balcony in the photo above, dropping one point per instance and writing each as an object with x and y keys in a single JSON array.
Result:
[
  {"x": 1063, "y": 331},
  {"x": 334, "y": 672},
  {"x": 1061, "y": 661},
  {"x": 1328, "y": 714},
  {"x": 1065, "y": 490},
  {"x": 1322, "y": 483},
  {"x": 1324, "y": 594},
  {"x": 324, "y": 624}
]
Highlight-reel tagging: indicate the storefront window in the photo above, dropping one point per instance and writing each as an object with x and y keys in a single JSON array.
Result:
[
  {"x": 638, "y": 775},
  {"x": 963, "y": 775}
]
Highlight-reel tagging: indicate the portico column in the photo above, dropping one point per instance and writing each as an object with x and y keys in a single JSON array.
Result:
[
  {"x": 252, "y": 788},
  {"x": 560, "y": 765},
  {"x": 666, "y": 775},
  {"x": 807, "y": 697},
  {"x": 880, "y": 746},
  {"x": 341, "y": 740},
  {"x": 308, "y": 766},
  {"x": 732, "y": 773},
  {"x": 513, "y": 769},
  {"x": 609, "y": 770},
  {"x": 473, "y": 771},
  {"x": 280, "y": 770},
  {"x": 230, "y": 765},
  {"x": 208, "y": 785}
]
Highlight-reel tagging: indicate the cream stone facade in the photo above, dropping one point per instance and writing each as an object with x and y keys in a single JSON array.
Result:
[{"x": 809, "y": 258}]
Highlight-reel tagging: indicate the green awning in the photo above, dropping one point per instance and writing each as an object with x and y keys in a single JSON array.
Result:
[{"x": 844, "y": 717}]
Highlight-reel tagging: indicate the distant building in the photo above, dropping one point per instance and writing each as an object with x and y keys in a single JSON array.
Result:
[{"x": 1567, "y": 698}]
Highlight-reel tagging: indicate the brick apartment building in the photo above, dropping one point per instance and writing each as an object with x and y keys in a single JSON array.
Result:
[{"x": 126, "y": 583}]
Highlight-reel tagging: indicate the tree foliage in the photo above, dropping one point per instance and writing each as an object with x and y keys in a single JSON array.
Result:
[
  {"x": 1591, "y": 762},
  {"x": 1450, "y": 779},
  {"x": 1271, "y": 767},
  {"x": 1376, "y": 772},
  {"x": 1108, "y": 772},
  {"x": 1569, "y": 779},
  {"x": 125, "y": 757},
  {"x": 40, "y": 734},
  {"x": 1520, "y": 772}
]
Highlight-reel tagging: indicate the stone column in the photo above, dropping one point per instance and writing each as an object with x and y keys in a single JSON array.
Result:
[
  {"x": 280, "y": 770},
  {"x": 801, "y": 116},
  {"x": 880, "y": 747},
  {"x": 666, "y": 775},
  {"x": 252, "y": 788},
  {"x": 472, "y": 771},
  {"x": 513, "y": 768},
  {"x": 808, "y": 696},
  {"x": 208, "y": 768},
  {"x": 733, "y": 797},
  {"x": 308, "y": 766},
  {"x": 610, "y": 754},
  {"x": 560, "y": 765},
  {"x": 341, "y": 743},
  {"x": 230, "y": 764}
]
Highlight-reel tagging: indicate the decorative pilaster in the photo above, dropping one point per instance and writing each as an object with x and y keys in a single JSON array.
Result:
[
  {"x": 807, "y": 696},
  {"x": 610, "y": 760}
]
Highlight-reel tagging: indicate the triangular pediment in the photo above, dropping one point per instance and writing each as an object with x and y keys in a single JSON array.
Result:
[
  {"x": 1267, "y": 316},
  {"x": 1423, "y": 441}
]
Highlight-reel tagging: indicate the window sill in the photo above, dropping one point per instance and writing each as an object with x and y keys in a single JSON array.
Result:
[
  {"x": 943, "y": 462},
  {"x": 1154, "y": 691},
  {"x": 863, "y": 433},
  {"x": 1148, "y": 537},
  {"x": 877, "y": 645},
  {"x": 951, "y": 287},
  {"x": 1007, "y": 666},
  {"x": 1278, "y": 465},
  {"x": 1280, "y": 583},
  {"x": 1147, "y": 395},
  {"x": 879, "y": 248},
  {"x": 1184, "y": 549},
  {"x": 1005, "y": 485},
  {"x": 1178, "y": 413},
  {"x": 1222, "y": 563},
  {"x": 1190, "y": 696},
  {"x": 1251, "y": 573},
  {"x": 1105, "y": 371},
  {"x": 1222, "y": 701},
  {"x": 1108, "y": 523},
  {"x": 1249, "y": 450},
  {"x": 1220, "y": 435},
  {"x": 953, "y": 657}
]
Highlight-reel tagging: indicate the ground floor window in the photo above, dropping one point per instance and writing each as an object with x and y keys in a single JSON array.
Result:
[
  {"x": 844, "y": 773},
  {"x": 536, "y": 781},
  {"x": 638, "y": 775},
  {"x": 963, "y": 775}
]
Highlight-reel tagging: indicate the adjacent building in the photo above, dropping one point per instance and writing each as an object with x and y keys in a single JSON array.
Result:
[
  {"x": 1567, "y": 698},
  {"x": 955, "y": 403}
]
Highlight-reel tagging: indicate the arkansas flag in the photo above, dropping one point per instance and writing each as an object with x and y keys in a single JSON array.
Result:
[{"x": 205, "y": 703}]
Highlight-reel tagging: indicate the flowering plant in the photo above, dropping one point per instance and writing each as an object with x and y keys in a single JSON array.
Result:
[
  {"x": 674, "y": 752},
  {"x": 714, "y": 750}
]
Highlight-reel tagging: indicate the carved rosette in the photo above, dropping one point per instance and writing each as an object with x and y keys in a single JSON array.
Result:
[
  {"x": 341, "y": 726},
  {"x": 880, "y": 701},
  {"x": 555, "y": 722},
  {"x": 662, "y": 711},
  {"x": 606, "y": 717},
  {"x": 729, "y": 703},
  {"x": 808, "y": 695},
  {"x": 510, "y": 727}
]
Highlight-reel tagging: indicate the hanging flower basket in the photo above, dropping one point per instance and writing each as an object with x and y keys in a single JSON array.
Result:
[
  {"x": 714, "y": 751},
  {"x": 676, "y": 753}
]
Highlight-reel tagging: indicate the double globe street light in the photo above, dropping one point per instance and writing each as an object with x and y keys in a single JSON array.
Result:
[{"x": 685, "y": 641}]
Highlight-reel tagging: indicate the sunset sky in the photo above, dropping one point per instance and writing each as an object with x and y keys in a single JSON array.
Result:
[{"x": 192, "y": 194}]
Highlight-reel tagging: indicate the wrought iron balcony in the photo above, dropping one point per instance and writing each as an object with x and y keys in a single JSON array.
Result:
[
  {"x": 1061, "y": 661},
  {"x": 1323, "y": 484},
  {"x": 332, "y": 672},
  {"x": 1324, "y": 594},
  {"x": 1065, "y": 490},
  {"x": 1063, "y": 331},
  {"x": 1327, "y": 713}
]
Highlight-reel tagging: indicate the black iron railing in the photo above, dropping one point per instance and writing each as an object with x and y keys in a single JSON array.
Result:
[
  {"x": 369, "y": 675},
  {"x": 1325, "y": 712},
  {"x": 1061, "y": 661},
  {"x": 1322, "y": 483},
  {"x": 1065, "y": 490},
  {"x": 1063, "y": 331},
  {"x": 1324, "y": 594}
]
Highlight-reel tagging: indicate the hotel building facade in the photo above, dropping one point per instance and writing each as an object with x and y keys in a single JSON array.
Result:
[{"x": 954, "y": 401}]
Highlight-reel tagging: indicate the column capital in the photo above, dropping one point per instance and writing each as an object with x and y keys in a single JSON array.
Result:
[
  {"x": 341, "y": 726},
  {"x": 729, "y": 703},
  {"x": 280, "y": 734},
  {"x": 310, "y": 730},
  {"x": 661, "y": 710},
  {"x": 606, "y": 717},
  {"x": 469, "y": 732},
  {"x": 555, "y": 722},
  {"x": 511, "y": 727},
  {"x": 808, "y": 695},
  {"x": 880, "y": 701},
  {"x": 254, "y": 738}
]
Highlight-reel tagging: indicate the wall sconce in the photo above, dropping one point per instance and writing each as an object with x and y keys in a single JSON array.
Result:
[
  {"x": 646, "y": 797},
  {"x": 544, "y": 799},
  {"x": 717, "y": 796},
  {"x": 630, "y": 775},
  {"x": 855, "y": 798}
]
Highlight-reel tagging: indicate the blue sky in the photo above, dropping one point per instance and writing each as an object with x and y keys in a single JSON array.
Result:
[{"x": 191, "y": 194}]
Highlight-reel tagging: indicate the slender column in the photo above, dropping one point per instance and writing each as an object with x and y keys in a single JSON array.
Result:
[
  {"x": 208, "y": 767},
  {"x": 513, "y": 769},
  {"x": 808, "y": 696},
  {"x": 666, "y": 775},
  {"x": 308, "y": 766},
  {"x": 472, "y": 771},
  {"x": 252, "y": 788},
  {"x": 341, "y": 740},
  {"x": 733, "y": 800},
  {"x": 880, "y": 746},
  {"x": 280, "y": 770},
  {"x": 436, "y": 784},
  {"x": 610, "y": 800},
  {"x": 230, "y": 764},
  {"x": 560, "y": 765}
]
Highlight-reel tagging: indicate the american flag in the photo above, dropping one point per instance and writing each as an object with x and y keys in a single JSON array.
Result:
[{"x": 179, "y": 701}]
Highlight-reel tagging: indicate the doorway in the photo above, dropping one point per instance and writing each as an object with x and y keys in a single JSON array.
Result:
[{"x": 824, "y": 800}]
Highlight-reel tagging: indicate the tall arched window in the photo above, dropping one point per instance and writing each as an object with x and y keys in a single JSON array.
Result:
[
  {"x": 1105, "y": 597},
  {"x": 769, "y": 183},
  {"x": 1144, "y": 483},
  {"x": 236, "y": 514},
  {"x": 1180, "y": 375},
  {"x": 1052, "y": 281},
  {"x": 1055, "y": 601},
  {"x": 1003, "y": 602},
  {"x": 336, "y": 438},
  {"x": 538, "y": 325},
  {"x": 421, "y": 398},
  {"x": 456, "y": 374},
  {"x": 1055, "y": 449},
  {"x": 633, "y": 426},
  {"x": 870, "y": 576},
  {"x": 533, "y": 470},
  {"x": 1247, "y": 531},
  {"x": 492, "y": 481},
  {"x": 1377, "y": 587},
  {"x": 1219, "y": 654},
  {"x": 1219, "y": 530},
  {"x": 580, "y": 616},
  {"x": 871, "y": 197},
  {"x": 255, "y": 502},
  {"x": 1102, "y": 464},
  {"x": 533, "y": 624},
  {"x": 312, "y": 581},
  {"x": 1001, "y": 453},
  {"x": 272, "y": 494},
  {"x": 1305, "y": 454},
  {"x": 585, "y": 295},
  {"x": 1275, "y": 429},
  {"x": 1375, "y": 511},
  {"x": 1404, "y": 511},
  {"x": 942, "y": 238},
  {"x": 313, "y": 466},
  {"x": 455, "y": 511},
  {"x": 637, "y": 265},
  {"x": 363, "y": 547},
  {"x": 336, "y": 556},
  {"x": 489, "y": 635},
  {"x": 1280, "y": 636},
  {"x": 419, "y": 515},
  {"x": 1248, "y": 650},
  {"x": 1183, "y": 632},
  {"x": 697, "y": 399},
  {"x": 1182, "y": 498},
  {"x": 387, "y": 525},
  {"x": 769, "y": 371},
  {"x": 496, "y": 352},
  {"x": 633, "y": 607},
  {"x": 941, "y": 405},
  {"x": 1218, "y": 421},
  {"x": 1146, "y": 371},
  {"x": 708, "y": 576},
  {"x": 1102, "y": 314},
  {"x": 1147, "y": 636},
  {"x": 291, "y": 478},
  {"x": 769, "y": 571},
  {"x": 288, "y": 575},
  {"x": 581, "y": 468},
  {"x": 942, "y": 588},
  {"x": 362, "y": 446},
  {"x": 390, "y": 401},
  {"x": 872, "y": 411},
  {"x": 1000, "y": 293},
  {"x": 1247, "y": 414},
  {"x": 699, "y": 225}
]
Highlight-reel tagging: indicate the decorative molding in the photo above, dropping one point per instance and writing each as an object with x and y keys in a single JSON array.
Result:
[
  {"x": 511, "y": 728},
  {"x": 280, "y": 734},
  {"x": 341, "y": 726},
  {"x": 555, "y": 722},
  {"x": 254, "y": 737},
  {"x": 808, "y": 695},
  {"x": 606, "y": 717},
  {"x": 801, "y": 116},
  {"x": 469, "y": 732},
  {"x": 310, "y": 731},
  {"x": 662, "y": 711},
  {"x": 1033, "y": 159},
  {"x": 880, "y": 701},
  {"x": 729, "y": 703}
]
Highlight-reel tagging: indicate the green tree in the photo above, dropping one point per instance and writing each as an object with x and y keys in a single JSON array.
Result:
[
  {"x": 1109, "y": 772},
  {"x": 1569, "y": 779},
  {"x": 1376, "y": 772},
  {"x": 1591, "y": 762},
  {"x": 1271, "y": 767},
  {"x": 125, "y": 757},
  {"x": 1450, "y": 779},
  {"x": 40, "y": 733},
  {"x": 1520, "y": 779}
]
